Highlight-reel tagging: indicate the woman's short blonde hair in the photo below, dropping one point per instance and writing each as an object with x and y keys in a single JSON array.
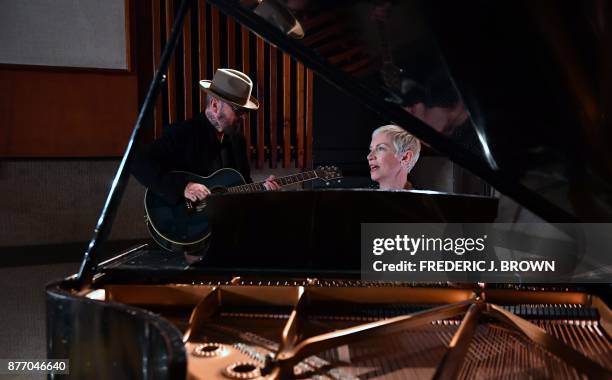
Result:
[{"x": 402, "y": 142}]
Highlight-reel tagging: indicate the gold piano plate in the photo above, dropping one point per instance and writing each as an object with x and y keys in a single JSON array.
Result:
[{"x": 342, "y": 329}]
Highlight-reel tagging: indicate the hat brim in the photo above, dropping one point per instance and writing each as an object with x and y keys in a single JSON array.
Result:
[{"x": 251, "y": 105}]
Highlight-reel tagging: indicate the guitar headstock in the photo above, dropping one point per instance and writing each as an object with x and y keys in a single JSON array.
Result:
[{"x": 328, "y": 173}]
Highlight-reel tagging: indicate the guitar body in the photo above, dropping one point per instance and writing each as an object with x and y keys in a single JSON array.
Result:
[{"x": 183, "y": 226}]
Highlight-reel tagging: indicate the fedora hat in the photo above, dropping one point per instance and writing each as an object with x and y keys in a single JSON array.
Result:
[{"x": 231, "y": 86}]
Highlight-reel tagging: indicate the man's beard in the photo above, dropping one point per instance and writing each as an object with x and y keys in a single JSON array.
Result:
[
  {"x": 228, "y": 128},
  {"x": 222, "y": 124}
]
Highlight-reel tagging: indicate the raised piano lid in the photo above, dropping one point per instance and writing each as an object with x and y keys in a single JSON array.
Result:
[{"x": 531, "y": 77}]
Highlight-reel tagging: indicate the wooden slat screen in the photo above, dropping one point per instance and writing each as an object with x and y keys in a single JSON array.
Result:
[
  {"x": 157, "y": 46},
  {"x": 280, "y": 133},
  {"x": 171, "y": 76},
  {"x": 215, "y": 26},
  {"x": 309, "y": 120},
  {"x": 246, "y": 68},
  {"x": 261, "y": 115},
  {"x": 231, "y": 43},
  {"x": 286, "y": 110},
  {"x": 187, "y": 71},
  {"x": 273, "y": 108},
  {"x": 300, "y": 114},
  {"x": 202, "y": 47}
]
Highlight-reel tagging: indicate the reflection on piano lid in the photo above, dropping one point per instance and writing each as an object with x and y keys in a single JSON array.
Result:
[
  {"x": 534, "y": 131},
  {"x": 278, "y": 15}
]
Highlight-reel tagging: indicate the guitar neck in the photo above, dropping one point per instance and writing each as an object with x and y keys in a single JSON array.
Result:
[{"x": 282, "y": 181}]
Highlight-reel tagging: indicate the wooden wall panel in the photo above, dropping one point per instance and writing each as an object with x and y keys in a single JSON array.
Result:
[
  {"x": 286, "y": 110},
  {"x": 216, "y": 38},
  {"x": 246, "y": 68},
  {"x": 66, "y": 113},
  {"x": 171, "y": 74},
  {"x": 157, "y": 48},
  {"x": 231, "y": 43},
  {"x": 187, "y": 73},
  {"x": 261, "y": 114},
  {"x": 202, "y": 48},
  {"x": 77, "y": 113},
  {"x": 300, "y": 115},
  {"x": 309, "y": 116},
  {"x": 142, "y": 52},
  {"x": 272, "y": 120}
]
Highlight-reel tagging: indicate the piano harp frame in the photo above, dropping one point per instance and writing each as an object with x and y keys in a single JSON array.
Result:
[{"x": 472, "y": 303}]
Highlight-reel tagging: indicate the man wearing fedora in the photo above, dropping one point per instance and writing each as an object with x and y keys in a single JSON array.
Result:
[{"x": 203, "y": 145}]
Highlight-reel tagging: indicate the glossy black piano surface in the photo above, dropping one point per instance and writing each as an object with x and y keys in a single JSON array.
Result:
[{"x": 531, "y": 78}]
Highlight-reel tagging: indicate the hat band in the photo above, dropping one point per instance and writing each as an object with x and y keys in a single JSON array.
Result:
[{"x": 232, "y": 98}]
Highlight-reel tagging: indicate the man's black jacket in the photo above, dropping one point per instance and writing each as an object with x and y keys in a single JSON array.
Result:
[{"x": 191, "y": 146}]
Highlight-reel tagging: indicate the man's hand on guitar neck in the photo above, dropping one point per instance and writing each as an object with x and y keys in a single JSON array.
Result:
[
  {"x": 271, "y": 184},
  {"x": 196, "y": 191}
]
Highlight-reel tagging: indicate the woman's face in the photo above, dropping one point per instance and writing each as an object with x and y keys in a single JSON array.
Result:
[{"x": 383, "y": 160}]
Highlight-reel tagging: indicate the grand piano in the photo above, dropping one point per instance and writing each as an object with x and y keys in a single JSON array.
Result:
[{"x": 530, "y": 80}]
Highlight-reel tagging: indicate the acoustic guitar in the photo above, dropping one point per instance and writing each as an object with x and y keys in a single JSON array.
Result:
[{"x": 184, "y": 226}]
